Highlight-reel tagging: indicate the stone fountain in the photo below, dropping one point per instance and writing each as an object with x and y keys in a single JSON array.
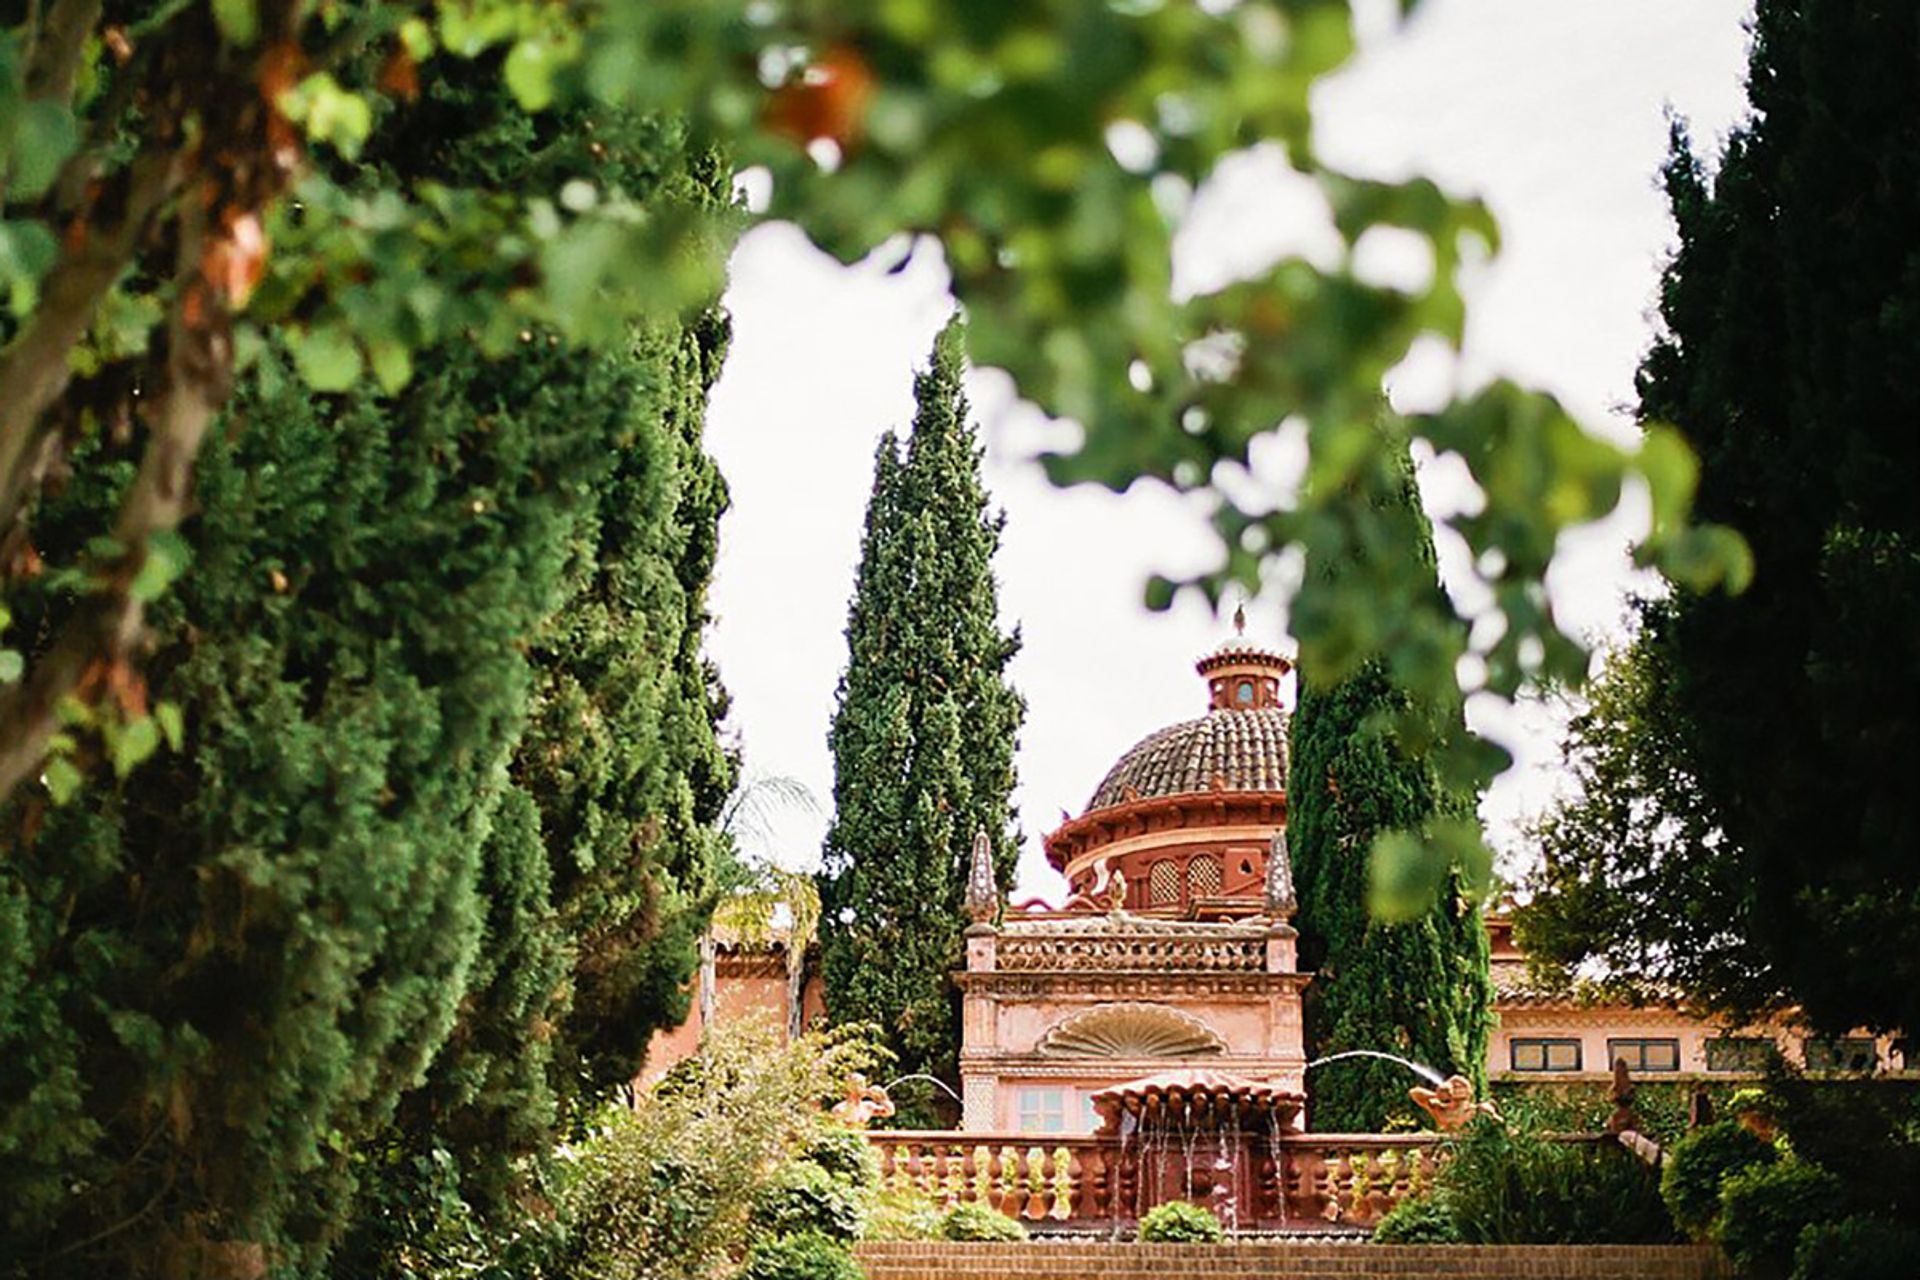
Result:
[{"x": 1198, "y": 1135}]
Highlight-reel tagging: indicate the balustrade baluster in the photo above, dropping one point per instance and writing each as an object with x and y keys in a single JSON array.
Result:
[
  {"x": 1035, "y": 1207},
  {"x": 916, "y": 1180}
]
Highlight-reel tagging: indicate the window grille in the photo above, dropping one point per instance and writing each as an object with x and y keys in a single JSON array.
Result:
[{"x": 1203, "y": 877}]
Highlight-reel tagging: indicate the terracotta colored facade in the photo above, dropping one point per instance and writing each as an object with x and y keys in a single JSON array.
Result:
[
  {"x": 1175, "y": 948},
  {"x": 750, "y": 982}
]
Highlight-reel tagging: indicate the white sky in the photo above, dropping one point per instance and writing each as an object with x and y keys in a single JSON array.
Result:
[{"x": 1551, "y": 110}]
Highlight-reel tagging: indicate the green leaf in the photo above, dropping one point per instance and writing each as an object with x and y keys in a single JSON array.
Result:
[
  {"x": 1405, "y": 874},
  {"x": 13, "y": 664},
  {"x": 171, "y": 722},
  {"x": 327, "y": 357},
  {"x": 46, "y": 136},
  {"x": 392, "y": 364},
  {"x": 62, "y": 779},
  {"x": 532, "y": 65},
  {"x": 166, "y": 558},
  {"x": 238, "y": 20},
  {"x": 1671, "y": 472},
  {"x": 135, "y": 742}
]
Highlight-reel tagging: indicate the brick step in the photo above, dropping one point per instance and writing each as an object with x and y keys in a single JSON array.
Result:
[{"x": 1268, "y": 1260}]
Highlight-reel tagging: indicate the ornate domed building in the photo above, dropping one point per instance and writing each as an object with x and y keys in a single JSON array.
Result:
[
  {"x": 1185, "y": 816},
  {"x": 1174, "y": 948}
]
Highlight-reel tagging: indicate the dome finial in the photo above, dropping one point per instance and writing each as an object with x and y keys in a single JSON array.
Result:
[{"x": 1240, "y": 618}]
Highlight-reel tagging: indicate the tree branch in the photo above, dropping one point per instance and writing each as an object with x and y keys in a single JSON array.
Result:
[
  {"x": 106, "y": 626},
  {"x": 34, "y": 372},
  {"x": 58, "y": 47}
]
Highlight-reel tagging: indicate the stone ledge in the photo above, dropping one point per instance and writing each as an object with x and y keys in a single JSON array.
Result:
[{"x": 1246, "y": 1260}]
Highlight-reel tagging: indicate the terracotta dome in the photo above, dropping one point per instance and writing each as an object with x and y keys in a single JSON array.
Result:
[{"x": 1224, "y": 750}]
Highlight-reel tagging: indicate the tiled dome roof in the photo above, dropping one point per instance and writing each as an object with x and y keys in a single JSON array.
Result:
[{"x": 1245, "y": 749}]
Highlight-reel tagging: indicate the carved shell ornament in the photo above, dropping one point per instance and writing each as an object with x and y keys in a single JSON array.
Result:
[{"x": 1131, "y": 1030}]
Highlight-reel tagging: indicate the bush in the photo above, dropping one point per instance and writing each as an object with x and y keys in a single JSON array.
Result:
[
  {"x": 1417, "y": 1220},
  {"x": 803, "y": 1197},
  {"x": 970, "y": 1221},
  {"x": 1764, "y": 1210},
  {"x": 1857, "y": 1249},
  {"x": 1699, "y": 1163},
  {"x": 904, "y": 1215},
  {"x": 846, "y": 1154},
  {"x": 680, "y": 1186},
  {"x": 1505, "y": 1187},
  {"x": 808, "y": 1256},
  {"x": 1177, "y": 1222}
]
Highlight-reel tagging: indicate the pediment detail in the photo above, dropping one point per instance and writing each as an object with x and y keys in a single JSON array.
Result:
[{"x": 1131, "y": 1030}]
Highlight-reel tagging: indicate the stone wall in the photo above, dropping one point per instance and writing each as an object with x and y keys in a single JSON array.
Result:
[{"x": 1305, "y": 1258}]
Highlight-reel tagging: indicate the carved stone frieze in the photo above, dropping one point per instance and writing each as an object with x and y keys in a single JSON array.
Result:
[{"x": 1127, "y": 986}]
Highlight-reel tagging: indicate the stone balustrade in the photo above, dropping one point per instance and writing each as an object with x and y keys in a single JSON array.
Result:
[{"x": 1319, "y": 1180}]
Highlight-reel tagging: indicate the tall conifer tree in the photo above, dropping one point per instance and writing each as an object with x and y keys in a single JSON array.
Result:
[
  {"x": 923, "y": 737},
  {"x": 1420, "y": 988},
  {"x": 438, "y": 812},
  {"x": 1785, "y": 720}
]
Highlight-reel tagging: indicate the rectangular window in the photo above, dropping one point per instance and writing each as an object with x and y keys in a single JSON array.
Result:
[
  {"x": 1545, "y": 1055},
  {"x": 1739, "y": 1053},
  {"x": 1645, "y": 1055},
  {"x": 1852, "y": 1053},
  {"x": 1043, "y": 1111}
]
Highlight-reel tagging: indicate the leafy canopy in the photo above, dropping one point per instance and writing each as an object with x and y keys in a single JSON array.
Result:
[{"x": 1046, "y": 149}]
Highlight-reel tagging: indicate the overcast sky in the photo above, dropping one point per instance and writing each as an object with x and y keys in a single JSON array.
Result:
[{"x": 1551, "y": 110}]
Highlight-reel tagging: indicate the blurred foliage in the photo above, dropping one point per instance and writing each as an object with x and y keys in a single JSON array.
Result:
[
  {"x": 1400, "y": 962},
  {"x": 1047, "y": 150}
]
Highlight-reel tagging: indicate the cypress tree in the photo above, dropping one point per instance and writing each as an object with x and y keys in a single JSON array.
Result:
[
  {"x": 1420, "y": 988},
  {"x": 924, "y": 732},
  {"x": 1791, "y": 714},
  {"x": 425, "y": 871}
]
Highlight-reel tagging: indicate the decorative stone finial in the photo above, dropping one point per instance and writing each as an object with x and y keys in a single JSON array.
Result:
[
  {"x": 1240, "y": 619},
  {"x": 983, "y": 891},
  {"x": 1280, "y": 902}
]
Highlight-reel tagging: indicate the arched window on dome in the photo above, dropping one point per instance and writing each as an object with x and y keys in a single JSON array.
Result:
[
  {"x": 1203, "y": 877},
  {"x": 1163, "y": 883},
  {"x": 1243, "y": 693}
]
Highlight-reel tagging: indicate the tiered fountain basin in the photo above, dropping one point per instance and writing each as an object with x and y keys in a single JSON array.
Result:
[{"x": 1202, "y": 1136}]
